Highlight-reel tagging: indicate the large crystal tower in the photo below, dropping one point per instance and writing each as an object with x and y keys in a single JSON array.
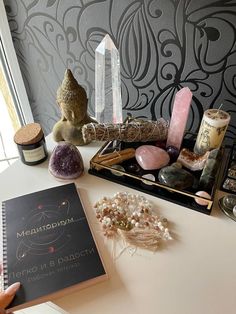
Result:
[{"x": 108, "y": 103}]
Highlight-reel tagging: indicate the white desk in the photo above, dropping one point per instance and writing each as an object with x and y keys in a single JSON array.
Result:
[{"x": 194, "y": 274}]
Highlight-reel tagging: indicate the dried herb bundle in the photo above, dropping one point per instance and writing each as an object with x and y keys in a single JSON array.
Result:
[{"x": 135, "y": 131}]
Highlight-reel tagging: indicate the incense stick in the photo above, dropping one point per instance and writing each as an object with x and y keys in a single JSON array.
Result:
[
  {"x": 217, "y": 112},
  {"x": 220, "y": 107}
]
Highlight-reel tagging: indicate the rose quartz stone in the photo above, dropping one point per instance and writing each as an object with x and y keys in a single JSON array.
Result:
[
  {"x": 150, "y": 157},
  {"x": 179, "y": 117},
  {"x": 201, "y": 201}
]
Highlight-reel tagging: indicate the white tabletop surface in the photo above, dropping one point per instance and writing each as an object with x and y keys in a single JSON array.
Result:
[{"x": 193, "y": 274}]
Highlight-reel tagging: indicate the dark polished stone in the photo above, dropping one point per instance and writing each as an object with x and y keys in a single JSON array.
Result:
[
  {"x": 173, "y": 153},
  {"x": 133, "y": 168},
  {"x": 176, "y": 177}
]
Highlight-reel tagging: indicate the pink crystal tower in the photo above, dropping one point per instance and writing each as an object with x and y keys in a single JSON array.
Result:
[{"x": 179, "y": 117}]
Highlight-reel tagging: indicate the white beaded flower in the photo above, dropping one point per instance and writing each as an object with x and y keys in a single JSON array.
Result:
[{"x": 131, "y": 217}]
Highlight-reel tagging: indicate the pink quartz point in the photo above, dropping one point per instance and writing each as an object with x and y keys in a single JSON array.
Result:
[{"x": 179, "y": 117}]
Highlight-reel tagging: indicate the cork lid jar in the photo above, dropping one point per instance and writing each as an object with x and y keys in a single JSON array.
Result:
[
  {"x": 29, "y": 134},
  {"x": 31, "y": 144}
]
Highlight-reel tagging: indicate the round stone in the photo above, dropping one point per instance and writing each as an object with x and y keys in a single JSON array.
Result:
[
  {"x": 173, "y": 152},
  {"x": 133, "y": 168},
  {"x": 119, "y": 168},
  {"x": 150, "y": 177},
  {"x": 234, "y": 210},
  {"x": 150, "y": 157},
  {"x": 202, "y": 202}
]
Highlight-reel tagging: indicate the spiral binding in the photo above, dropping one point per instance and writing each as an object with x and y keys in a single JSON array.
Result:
[{"x": 4, "y": 247}]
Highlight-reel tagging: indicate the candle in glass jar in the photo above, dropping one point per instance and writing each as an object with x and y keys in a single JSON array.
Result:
[
  {"x": 31, "y": 144},
  {"x": 212, "y": 130}
]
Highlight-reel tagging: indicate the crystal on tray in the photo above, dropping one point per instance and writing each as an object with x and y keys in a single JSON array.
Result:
[
  {"x": 230, "y": 185},
  {"x": 176, "y": 177},
  {"x": 192, "y": 161},
  {"x": 150, "y": 157},
  {"x": 119, "y": 172},
  {"x": 111, "y": 147},
  {"x": 228, "y": 205},
  {"x": 210, "y": 169},
  {"x": 232, "y": 170},
  {"x": 233, "y": 157},
  {"x": 108, "y": 103},
  {"x": 150, "y": 177}
]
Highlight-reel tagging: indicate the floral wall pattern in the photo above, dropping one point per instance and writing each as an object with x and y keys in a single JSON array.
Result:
[{"x": 164, "y": 45}]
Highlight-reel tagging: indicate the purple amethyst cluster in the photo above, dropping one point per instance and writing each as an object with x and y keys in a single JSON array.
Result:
[{"x": 66, "y": 162}]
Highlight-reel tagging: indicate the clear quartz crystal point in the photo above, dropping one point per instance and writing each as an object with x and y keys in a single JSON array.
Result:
[{"x": 108, "y": 103}]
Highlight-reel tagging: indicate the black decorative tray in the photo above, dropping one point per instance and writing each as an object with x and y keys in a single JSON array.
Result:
[{"x": 181, "y": 197}]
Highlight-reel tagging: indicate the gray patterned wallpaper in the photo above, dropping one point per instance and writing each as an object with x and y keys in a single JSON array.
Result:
[{"x": 164, "y": 45}]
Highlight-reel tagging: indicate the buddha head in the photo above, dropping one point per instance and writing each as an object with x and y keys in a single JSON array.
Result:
[{"x": 72, "y": 99}]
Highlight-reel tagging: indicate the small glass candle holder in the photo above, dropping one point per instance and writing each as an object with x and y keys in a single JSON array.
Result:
[{"x": 212, "y": 130}]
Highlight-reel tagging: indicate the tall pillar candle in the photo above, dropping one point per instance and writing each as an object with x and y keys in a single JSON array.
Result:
[
  {"x": 179, "y": 117},
  {"x": 212, "y": 130}
]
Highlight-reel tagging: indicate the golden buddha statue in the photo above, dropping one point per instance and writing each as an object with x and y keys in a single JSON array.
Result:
[{"x": 73, "y": 102}]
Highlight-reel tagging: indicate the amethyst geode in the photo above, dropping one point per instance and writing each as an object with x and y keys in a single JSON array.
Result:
[{"x": 66, "y": 162}]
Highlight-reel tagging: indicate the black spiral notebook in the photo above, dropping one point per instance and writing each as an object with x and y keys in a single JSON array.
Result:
[{"x": 48, "y": 246}]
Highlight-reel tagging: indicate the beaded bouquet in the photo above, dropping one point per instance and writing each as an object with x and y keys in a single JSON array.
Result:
[{"x": 130, "y": 217}]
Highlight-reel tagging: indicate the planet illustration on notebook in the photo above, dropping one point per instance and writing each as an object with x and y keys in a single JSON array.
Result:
[{"x": 49, "y": 238}]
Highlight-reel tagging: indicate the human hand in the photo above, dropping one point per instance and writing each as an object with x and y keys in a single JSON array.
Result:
[{"x": 7, "y": 296}]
